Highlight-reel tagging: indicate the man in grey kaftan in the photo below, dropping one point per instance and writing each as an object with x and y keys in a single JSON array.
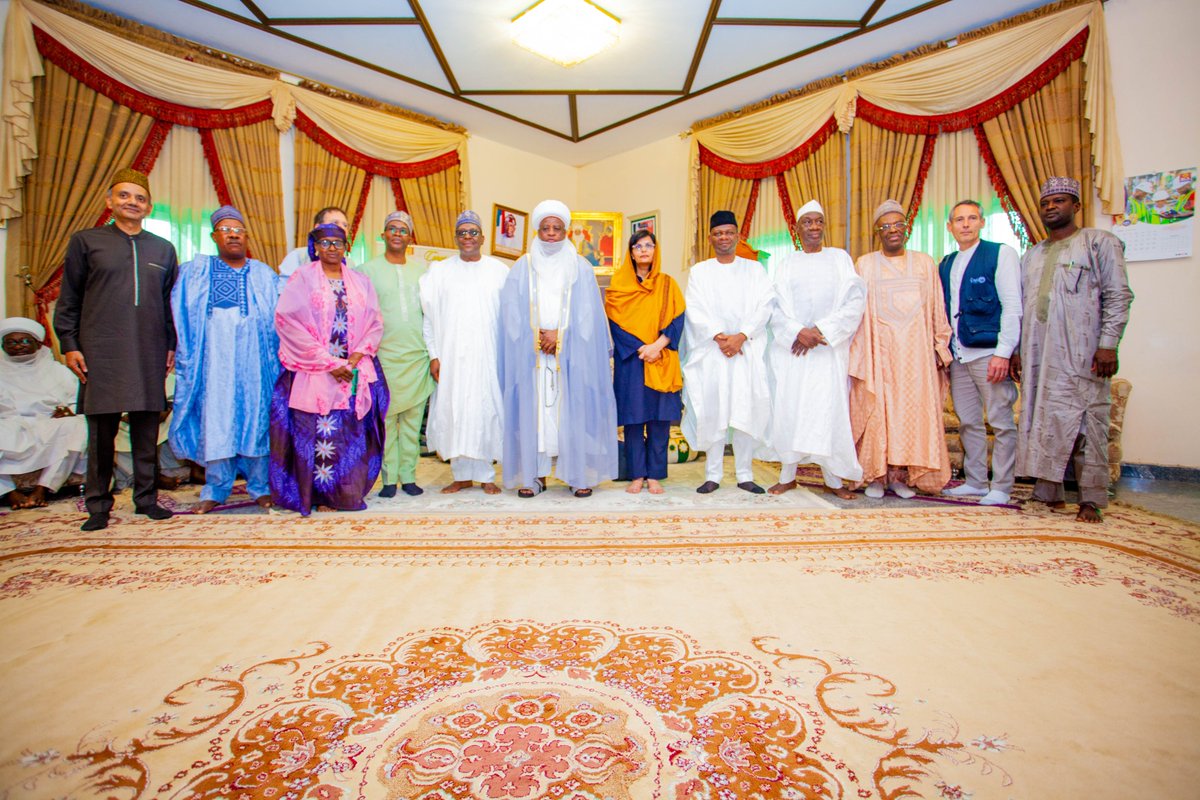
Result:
[{"x": 1076, "y": 305}]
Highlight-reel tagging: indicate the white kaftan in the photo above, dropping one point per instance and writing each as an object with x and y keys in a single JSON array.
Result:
[
  {"x": 810, "y": 401},
  {"x": 31, "y": 438},
  {"x": 720, "y": 393},
  {"x": 461, "y": 302}
]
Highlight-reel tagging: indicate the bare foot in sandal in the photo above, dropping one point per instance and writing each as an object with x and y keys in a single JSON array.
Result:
[
  {"x": 490, "y": 488},
  {"x": 457, "y": 486},
  {"x": 1089, "y": 512},
  {"x": 635, "y": 486},
  {"x": 655, "y": 486}
]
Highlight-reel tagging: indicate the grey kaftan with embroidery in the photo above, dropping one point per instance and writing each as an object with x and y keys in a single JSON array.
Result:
[{"x": 1082, "y": 306}]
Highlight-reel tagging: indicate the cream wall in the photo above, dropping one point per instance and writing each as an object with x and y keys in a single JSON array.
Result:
[
  {"x": 1158, "y": 106},
  {"x": 515, "y": 178},
  {"x": 651, "y": 178}
]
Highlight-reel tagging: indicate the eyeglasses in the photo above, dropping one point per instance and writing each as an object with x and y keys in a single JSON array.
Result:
[
  {"x": 644, "y": 246},
  {"x": 469, "y": 234},
  {"x": 397, "y": 231},
  {"x": 227, "y": 229},
  {"x": 891, "y": 226},
  {"x": 332, "y": 244}
]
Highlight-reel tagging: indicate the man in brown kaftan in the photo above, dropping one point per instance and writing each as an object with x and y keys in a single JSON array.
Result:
[{"x": 1076, "y": 298}]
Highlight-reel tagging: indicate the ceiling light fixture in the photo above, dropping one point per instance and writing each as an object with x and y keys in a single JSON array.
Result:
[{"x": 566, "y": 32}]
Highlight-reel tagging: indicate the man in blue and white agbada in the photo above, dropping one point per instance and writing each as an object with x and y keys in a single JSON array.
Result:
[{"x": 226, "y": 362}]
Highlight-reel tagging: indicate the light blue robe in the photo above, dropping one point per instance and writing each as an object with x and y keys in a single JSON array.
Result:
[
  {"x": 226, "y": 362},
  {"x": 587, "y": 433}
]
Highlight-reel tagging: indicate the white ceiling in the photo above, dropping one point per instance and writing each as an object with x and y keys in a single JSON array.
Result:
[{"x": 677, "y": 61}]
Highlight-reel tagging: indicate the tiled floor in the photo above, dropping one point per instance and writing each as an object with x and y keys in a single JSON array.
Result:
[{"x": 1178, "y": 498}]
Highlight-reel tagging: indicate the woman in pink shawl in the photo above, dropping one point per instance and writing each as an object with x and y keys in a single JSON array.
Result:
[{"x": 329, "y": 403}]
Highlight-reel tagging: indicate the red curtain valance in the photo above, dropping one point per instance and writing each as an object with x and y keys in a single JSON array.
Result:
[
  {"x": 768, "y": 169},
  {"x": 1019, "y": 92},
  {"x": 374, "y": 166},
  {"x": 59, "y": 55}
]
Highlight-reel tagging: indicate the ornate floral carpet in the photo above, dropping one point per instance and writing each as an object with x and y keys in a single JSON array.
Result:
[{"x": 939, "y": 652}]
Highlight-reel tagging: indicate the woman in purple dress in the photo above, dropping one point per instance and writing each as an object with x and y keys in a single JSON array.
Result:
[{"x": 329, "y": 403}]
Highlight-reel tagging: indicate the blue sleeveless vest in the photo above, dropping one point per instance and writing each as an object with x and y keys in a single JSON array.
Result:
[{"x": 978, "y": 322}]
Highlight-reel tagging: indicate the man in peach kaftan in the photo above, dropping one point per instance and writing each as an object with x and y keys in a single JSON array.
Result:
[{"x": 898, "y": 364}]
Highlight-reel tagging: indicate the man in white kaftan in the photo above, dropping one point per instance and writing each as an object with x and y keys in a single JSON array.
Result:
[
  {"x": 729, "y": 301},
  {"x": 41, "y": 439},
  {"x": 460, "y": 298},
  {"x": 820, "y": 305}
]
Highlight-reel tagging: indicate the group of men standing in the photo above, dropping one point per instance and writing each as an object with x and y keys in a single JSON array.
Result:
[
  {"x": 860, "y": 355},
  {"x": 851, "y": 376}
]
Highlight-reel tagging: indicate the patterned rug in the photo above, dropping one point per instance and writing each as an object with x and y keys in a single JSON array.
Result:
[{"x": 927, "y": 652}]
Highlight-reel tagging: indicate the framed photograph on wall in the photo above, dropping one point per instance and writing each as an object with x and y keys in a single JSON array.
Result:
[
  {"x": 510, "y": 231},
  {"x": 644, "y": 222},
  {"x": 597, "y": 237}
]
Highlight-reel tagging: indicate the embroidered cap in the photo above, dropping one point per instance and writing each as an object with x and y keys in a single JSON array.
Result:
[
  {"x": 226, "y": 212},
  {"x": 888, "y": 206},
  {"x": 130, "y": 175},
  {"x": 1060, "y": 185},
  {"x": 398, "y": 216},
  {"x": 468, "y": 216}
]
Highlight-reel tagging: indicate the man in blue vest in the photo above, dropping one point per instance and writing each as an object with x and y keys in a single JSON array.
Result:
[{"x": 982, "y": 287}]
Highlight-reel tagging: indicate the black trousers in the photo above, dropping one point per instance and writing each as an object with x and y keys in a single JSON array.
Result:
[{"x": 143, "y": 439}]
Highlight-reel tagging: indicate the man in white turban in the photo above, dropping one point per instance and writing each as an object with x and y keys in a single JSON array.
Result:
[
  {"x": 554, "y": 365},
  {"x": 820, "y": 301},
  {"x": 42, "y": 442}
]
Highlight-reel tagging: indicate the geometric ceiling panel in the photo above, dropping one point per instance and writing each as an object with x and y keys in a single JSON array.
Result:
[
  {"x": 402, "y": 49},
  {"x": 794, "y": 9},
  {"x": 600, "y": 110},
  {"x": 551, "y": 111},
  {"x": 325, "y": 8},
  {"x": 671, "y": 65},
  {"x": 734, "y": 49}
]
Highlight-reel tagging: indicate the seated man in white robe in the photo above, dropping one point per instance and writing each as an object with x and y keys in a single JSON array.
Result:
[
  {"x": 729, "y": 301},
  {"x": 460, "y": 298},
  {"x": 820, "y": 305},
  {"x": 42, "y": 442}
]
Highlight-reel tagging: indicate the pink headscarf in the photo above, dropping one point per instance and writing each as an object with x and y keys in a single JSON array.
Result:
[{"x": 304, "y": 318}]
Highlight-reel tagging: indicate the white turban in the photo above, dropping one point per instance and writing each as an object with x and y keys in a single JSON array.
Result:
[
  {"x": 551, "y": 208},
  {"x": 22, "y": 325},
  {"x": 811, "y": 207}
]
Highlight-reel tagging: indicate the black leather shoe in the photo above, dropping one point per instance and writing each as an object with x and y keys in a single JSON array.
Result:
[
  {"x": 155, "y": 512},
  {"x": 411, "y": 489},
  {"x": 708, "y": 487},
  {"x": 388, "y": 490},
  {"x": 95, "y": 522},
  {"x": 751, "y": 487}
]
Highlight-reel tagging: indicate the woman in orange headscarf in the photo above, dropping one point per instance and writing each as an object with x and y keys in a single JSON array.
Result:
[{"x": 645, "y": 314}]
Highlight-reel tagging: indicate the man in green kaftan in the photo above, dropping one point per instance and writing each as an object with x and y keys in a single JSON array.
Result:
[{"x": 402, "y": 353}]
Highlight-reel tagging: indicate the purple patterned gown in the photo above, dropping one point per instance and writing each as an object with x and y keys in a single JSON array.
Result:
[{"x": 326, "y": 459}]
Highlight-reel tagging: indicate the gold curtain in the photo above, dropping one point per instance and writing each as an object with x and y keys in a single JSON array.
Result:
[
  {"x": 322, "y": 180},
  {"x": 822, "y": 176},
  {"x": 83, "y": 138},
  {"x": 718, "y": 193},
  {"x": 250, "y": 163},
  {"x": 1044, "y": 136},
  {"x": 884, "y": 165},
  {"x": 434, "y": 202}
]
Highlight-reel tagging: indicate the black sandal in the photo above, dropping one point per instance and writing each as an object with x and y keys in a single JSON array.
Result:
[
  {"x": 538, "y": 487},
  {"x": 583, "y": 492}
]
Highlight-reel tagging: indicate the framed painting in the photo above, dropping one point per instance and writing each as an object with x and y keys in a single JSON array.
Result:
[
  {"x": 510, "y": 231},
  {"x": 644, "y": 222},
  {"x": 597, "y": 237}
]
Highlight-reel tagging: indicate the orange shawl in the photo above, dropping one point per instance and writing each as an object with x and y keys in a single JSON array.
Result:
[{"x": 645, "y": 309}]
